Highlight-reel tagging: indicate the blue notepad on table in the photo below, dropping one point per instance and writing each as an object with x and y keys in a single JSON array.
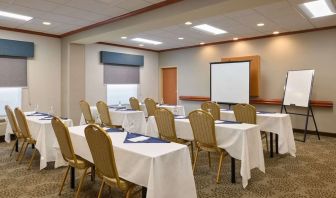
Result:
[
  {"x": 38, "y": 114},
  {"x": 138, "y": 138},
  {"x": 227, "y": 122},
  {"x": 265, "y": 112},
  {"x": 110, "y": 130},
  {"x": 180, "y": 117}
]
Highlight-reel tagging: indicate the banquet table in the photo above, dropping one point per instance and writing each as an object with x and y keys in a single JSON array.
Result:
[
  {"x": 176, "y": 109},
  {"x": 164, "y": 168},
  {"x": 277, "y": 123},
  {"x": 241, "y": 141},
  {"x": 130, "y": 120},
  {"x": 42, "y": 131}
]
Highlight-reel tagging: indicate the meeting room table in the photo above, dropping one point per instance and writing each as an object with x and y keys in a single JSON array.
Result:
[
  {"x": 162, "y": 167},
  {"x": 175, "y": 109},
  {"x": 277, "y": 123},
  {"x": 130, "y": 120},
  {"x": 241, "y": 141},
  {"x": 41, "y": 130}
]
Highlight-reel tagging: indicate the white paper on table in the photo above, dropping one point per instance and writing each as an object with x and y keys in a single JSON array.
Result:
[
  {"x": 138, "y": 139},
  {"x": 180, "y": 116},
  {"x": 218, "y": 121}
]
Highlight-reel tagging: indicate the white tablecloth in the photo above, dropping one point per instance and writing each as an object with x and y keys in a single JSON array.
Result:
[
  {"x": 176, "y": 109},
  {"x": 165, "y": 169},
  {"x": 272, "y": 122},
  {"x": 132, "y": 121},
  {"x": 241, "y": 141},
  {"x": 43, "y": 133}
]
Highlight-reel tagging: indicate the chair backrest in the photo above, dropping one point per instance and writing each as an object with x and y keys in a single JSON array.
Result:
[
  {"x": 63, "y": 138},
  {"x": 134, "y": 102},
  {"x": 213, "y": 107},
  {"x": 12, "y": 121},
  {"x": 85, "y": 107},
  {"x": 203, "y": 127},
  {"x": 101, "y": 148},
  {"x": 22, "y": 122},
  {"x": 165, "y": 123},
  {"x": 245, "y": 113},
  {"x": 104, "y": 113},
  {"x": 150, "y": 106}
]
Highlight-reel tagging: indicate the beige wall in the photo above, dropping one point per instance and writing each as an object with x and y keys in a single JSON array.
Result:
[
  {"x": 95, "y": 89},
  {"x": 44, "y": 72},
  {"x": 314, "y": 50}
]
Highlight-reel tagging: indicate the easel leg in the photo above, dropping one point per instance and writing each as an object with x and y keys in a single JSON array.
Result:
[
  {"x": 318, "y": 133},
  {"x": 307, "y": 120}
]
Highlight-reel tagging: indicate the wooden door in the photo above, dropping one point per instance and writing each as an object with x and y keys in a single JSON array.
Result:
[{"x": 169, "y": 85}]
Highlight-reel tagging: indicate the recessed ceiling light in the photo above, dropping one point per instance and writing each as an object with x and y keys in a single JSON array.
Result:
[
  {"x": 142, "y": 40},
  {"x": 209, "y": 28},
  {"x": 188, "y": 23},
  {"x": 318, "y": 8},
  {"x": 202, "y": 43},
  {"x": 235, "y": 38},
  {"x": 46, "y": 23},
  {"x": 180, "y": 38},
  {"x": 260, "y": 24},
  {"x": 141, "y": 45},
  {"x": 15, "y": 16},
  {"x": 276, "y": 32},
  {"x": 124, "y": 37}
]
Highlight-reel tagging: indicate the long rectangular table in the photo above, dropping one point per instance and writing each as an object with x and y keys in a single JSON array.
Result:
[
  {"x": 176, "y": 109},
  {"x": 164, "y": 168},
  {"x": 277, "y": 123},
  {"x": 132, "y": 121},
  {"x": 241, "y": 141},
  {"x": 43, "y": 133}
]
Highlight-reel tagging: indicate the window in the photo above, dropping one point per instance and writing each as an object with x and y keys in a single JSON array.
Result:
[
  {"x": 120, "y": 93},
  {"x": 9, "y": 96}
]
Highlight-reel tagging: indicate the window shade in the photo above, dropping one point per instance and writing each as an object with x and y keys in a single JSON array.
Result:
[
  {"x": 13, "y": 72},
  {"x": 121, "y": 74}
]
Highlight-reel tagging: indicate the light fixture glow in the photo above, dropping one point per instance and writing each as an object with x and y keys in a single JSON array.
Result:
[
  {"x": 15, "y": 16},
  {"x": 202, "y": 43},
  {"x": 180, "y": 38},
  {"x": 124, "y": 37},
  {"x": 142, "y": 40},
  {"x": 276, "y": 32},
  {"x": 235, "y": 38},
  {"x": 209, "y": 28},
  {"x": 141, "y": 45},
  {"x": 319, "y": 8},
  {"x": 260, "y": 24},
  {"x": 188, "y": 23},
  {"x": 46, "y": 23}
]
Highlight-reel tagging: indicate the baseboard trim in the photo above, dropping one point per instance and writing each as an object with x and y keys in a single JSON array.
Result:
[{"x": 326, "y": 134}]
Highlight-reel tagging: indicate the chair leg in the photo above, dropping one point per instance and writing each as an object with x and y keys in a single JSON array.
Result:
[
  {"x": 266, "y": 141},
  {"x": 81, "y": 181},
  {"x": 220, "y": 167},
  {"x": 16, "y": 141},
  {"x": 209, "y": 159},
  {"x": 196, "y": 156},
  {"x": 129, "y": 192},
  {"x": 192, "y": 152},
  {"x": 101, "y": 189},
  {"x": 19, "y": 154},
  {"x": 31, "y": 160},
  {"x": 64, "y": 178},
  {"x": 24, "y": 152}
]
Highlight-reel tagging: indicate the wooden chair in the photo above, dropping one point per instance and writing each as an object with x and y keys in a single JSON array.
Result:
[
  {"x": 85, "y": 107},
  {"x": 214, "y": 109},
  {"x": 23, "y": 126},
  {"x": 16, "y": 131},
  {"x": 134, "y": 102},
  {"x": 150, "y": 106},
  {"x": 203, "y": 127},
  {"x": 65, "y": 144},
  {"x": 104, "y": 115},
  {"x": 166, "y": 125},
  {"x": 247, "y": 113},
  {"x": 101, "y": 148}
]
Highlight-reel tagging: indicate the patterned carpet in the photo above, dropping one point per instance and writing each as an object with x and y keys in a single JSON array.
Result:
[{"x": 311, "y": 174}]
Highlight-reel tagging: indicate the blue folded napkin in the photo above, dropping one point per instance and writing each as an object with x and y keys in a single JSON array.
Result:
[
  {"x": 114, "y": 130},
  {"x": 64, "y": 118},
  {"x": 265, "y": 112},
  {"x": 150, "y": 140},
  {"x": 125, "y": 110},
  {"x": 38, "y": 114},
  {"x": 181, "y": 117},
  {"x": 46, "y": 118},
  {"x": 228, "y": 122}
]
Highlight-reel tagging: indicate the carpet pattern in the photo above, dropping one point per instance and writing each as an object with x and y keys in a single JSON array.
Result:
[{"x": 311, "y": 174}]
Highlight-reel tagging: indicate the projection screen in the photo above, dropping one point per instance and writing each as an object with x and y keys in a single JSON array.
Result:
[{"x": 230, "y": 82}]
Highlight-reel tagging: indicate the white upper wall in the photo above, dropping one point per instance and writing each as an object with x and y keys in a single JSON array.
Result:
[
  {"x": 44, "y": 71},
  {"x": 95, "y": 89}
]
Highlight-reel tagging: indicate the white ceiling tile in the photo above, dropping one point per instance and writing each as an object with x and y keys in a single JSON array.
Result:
[
  {"x": 66, "y": 20},
  {"x": 132, "y": 5},
  {"x": 97, "y": 7},
  {"x": 59, "y": 1},
  {"x": 78, "y": 13},
  {"x": 37, "y": 4}
]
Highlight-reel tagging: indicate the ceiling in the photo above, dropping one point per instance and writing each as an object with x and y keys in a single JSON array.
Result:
[
  {"x": 66, "y": 15},
  {"x": 69, "y": 15}
]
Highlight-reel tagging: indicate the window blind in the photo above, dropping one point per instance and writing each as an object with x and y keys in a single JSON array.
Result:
[
  {"x": 121, "y": 74},
  {"x": 13, "y": 72}
]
